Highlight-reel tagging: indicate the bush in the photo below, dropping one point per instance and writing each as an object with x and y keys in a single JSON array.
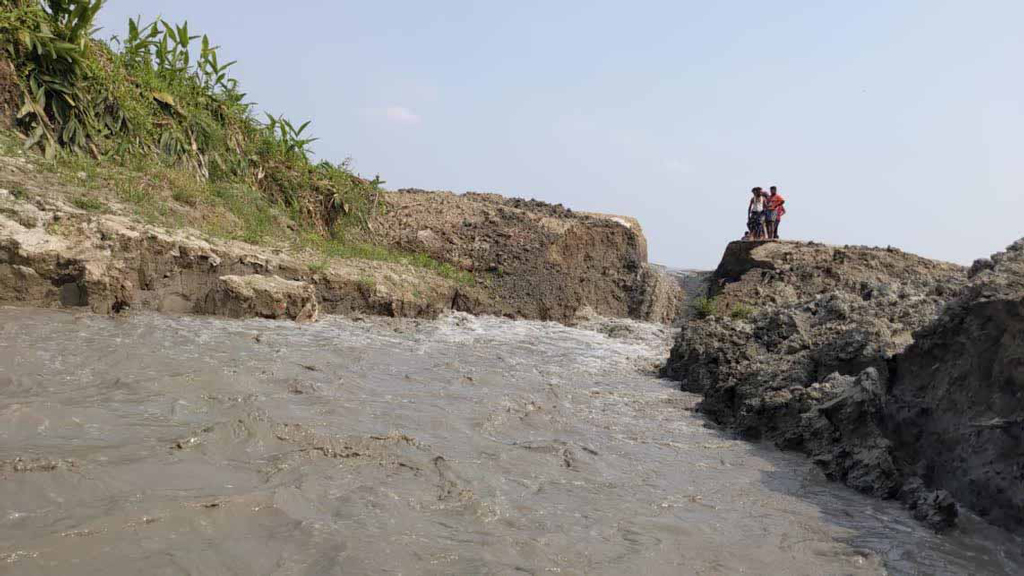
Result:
[
  {"x": 740, "y": 311},
  {"x": 705, "y": 307}
]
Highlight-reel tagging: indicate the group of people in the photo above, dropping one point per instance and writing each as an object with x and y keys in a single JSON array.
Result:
[{"x": 764, "y": 212}]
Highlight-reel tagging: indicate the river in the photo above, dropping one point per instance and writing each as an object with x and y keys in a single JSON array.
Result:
[{"x": 187, "y": 445}]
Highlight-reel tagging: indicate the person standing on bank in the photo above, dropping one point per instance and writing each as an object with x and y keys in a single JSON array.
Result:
[
  {"x": 755, "y": 216},
  {"x": 774, "y": 211}
]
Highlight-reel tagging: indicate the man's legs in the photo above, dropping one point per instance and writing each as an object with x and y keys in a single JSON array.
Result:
[{"x": 775, "y": 227}]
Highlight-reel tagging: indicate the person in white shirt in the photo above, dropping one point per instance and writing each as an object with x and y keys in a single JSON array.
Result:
[{"x": 755, "y": 215}]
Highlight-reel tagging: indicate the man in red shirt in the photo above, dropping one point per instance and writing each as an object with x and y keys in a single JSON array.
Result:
[{"x": 775, "y": 211}]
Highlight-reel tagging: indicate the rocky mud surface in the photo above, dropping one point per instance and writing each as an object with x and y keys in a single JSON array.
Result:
[
  {"x": 543, "y": 261},
  {"x": 897, "y": 375},
  {"x": 955, "y": 404}
]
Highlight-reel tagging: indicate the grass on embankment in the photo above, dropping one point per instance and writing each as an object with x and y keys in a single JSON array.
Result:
[
  {"x": 153, "y": 121},
  {"x": 173, "y": 198}
]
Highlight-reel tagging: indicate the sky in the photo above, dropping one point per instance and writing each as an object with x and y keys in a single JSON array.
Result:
[{"x": 882, "y": 123}]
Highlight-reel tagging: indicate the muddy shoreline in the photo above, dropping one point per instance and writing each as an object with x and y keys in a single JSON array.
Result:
[
  {"x": 522, "y": 259},
  {"x": 896, "y": 375}
]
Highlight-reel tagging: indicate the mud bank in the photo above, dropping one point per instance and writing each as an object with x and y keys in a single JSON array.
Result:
[
  {"x": 899, "y": 376},
  {"x": 553, "y": 267},
  {"x": 52, "y": 254},
  {"x": 955, "y": 404},
  {"x": 543, "y": 261}
]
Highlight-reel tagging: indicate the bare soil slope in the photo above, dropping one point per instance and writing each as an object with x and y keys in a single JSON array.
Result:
[{"x": 541, "y": 260}]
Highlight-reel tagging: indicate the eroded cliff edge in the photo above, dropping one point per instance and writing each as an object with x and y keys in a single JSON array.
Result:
[
  {"x": 524, "y": 259},
  {"x": 899, "y": 376},
  {"x": 541, "y": 260},
  {"x": 955, "y": 405}
]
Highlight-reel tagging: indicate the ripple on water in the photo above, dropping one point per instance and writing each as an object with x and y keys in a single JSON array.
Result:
[{"x": 463, "y": 445}]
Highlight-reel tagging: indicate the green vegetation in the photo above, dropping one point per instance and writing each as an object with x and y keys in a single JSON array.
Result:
[
  {"x": 704, "y": 307},
  {"x": 89, "y": 204},
  {"x": 319, "y": 266},
  {"x": 740, "y": 311},
  {"x": 368, "y": 283},
  {"x": 338, "y": 248},
  {"x": 154, "y": 119},
  {"x": 161, "y": 97}
]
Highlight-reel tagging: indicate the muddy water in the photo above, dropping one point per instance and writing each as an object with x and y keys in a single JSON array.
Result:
[{"x": 163, "y": 445}]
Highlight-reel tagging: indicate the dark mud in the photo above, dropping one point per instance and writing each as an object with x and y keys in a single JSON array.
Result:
[{"x": 897, "y": 375}]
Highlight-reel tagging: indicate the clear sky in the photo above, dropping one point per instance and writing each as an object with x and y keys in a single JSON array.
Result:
[{"x": 882, "y": 122}]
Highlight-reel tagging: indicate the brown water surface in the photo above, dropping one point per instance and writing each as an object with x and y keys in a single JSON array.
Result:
[{"x": 183, "y": 445}]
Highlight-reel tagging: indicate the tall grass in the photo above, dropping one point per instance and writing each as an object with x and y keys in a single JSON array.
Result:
[{"x": 161, "y": 94}]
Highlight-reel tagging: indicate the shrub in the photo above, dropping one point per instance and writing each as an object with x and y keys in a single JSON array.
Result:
[
  {"x": 705, "y": 307},
  {"x": 740, "y": 311}
]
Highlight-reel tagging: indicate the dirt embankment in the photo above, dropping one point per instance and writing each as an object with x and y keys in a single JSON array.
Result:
[
  {"x": 898, "y": 375},
  {"x": 54, "y": 253},
  {"x": 539, "y": 260}
]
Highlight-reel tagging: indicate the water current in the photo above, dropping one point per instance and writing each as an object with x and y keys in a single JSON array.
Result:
[{"x": 185, "y": 445}]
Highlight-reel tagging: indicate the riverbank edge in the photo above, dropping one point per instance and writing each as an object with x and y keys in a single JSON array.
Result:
[
  {"x": 866, "y": 360},
  {"x": 57, "y": 252}
]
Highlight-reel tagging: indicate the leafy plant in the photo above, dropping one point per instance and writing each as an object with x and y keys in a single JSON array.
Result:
[
  {"x": 290, "y": 137},
  {"x": 161, "y": 96},
  {"x": 50, "y": 42},
  {"x": 130, "y": 190}
]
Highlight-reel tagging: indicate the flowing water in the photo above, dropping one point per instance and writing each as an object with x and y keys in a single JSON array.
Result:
[{"x": 184, "y": 445}]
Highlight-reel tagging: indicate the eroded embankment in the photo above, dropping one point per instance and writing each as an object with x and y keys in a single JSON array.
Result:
[
  {"x": 533, "y": 261},
  {"x": 52, "y": 254},
  {"x": 542, "y": 261},
  {"x": 955, "y": 404},
  {"x": 810, "y": 351}
]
